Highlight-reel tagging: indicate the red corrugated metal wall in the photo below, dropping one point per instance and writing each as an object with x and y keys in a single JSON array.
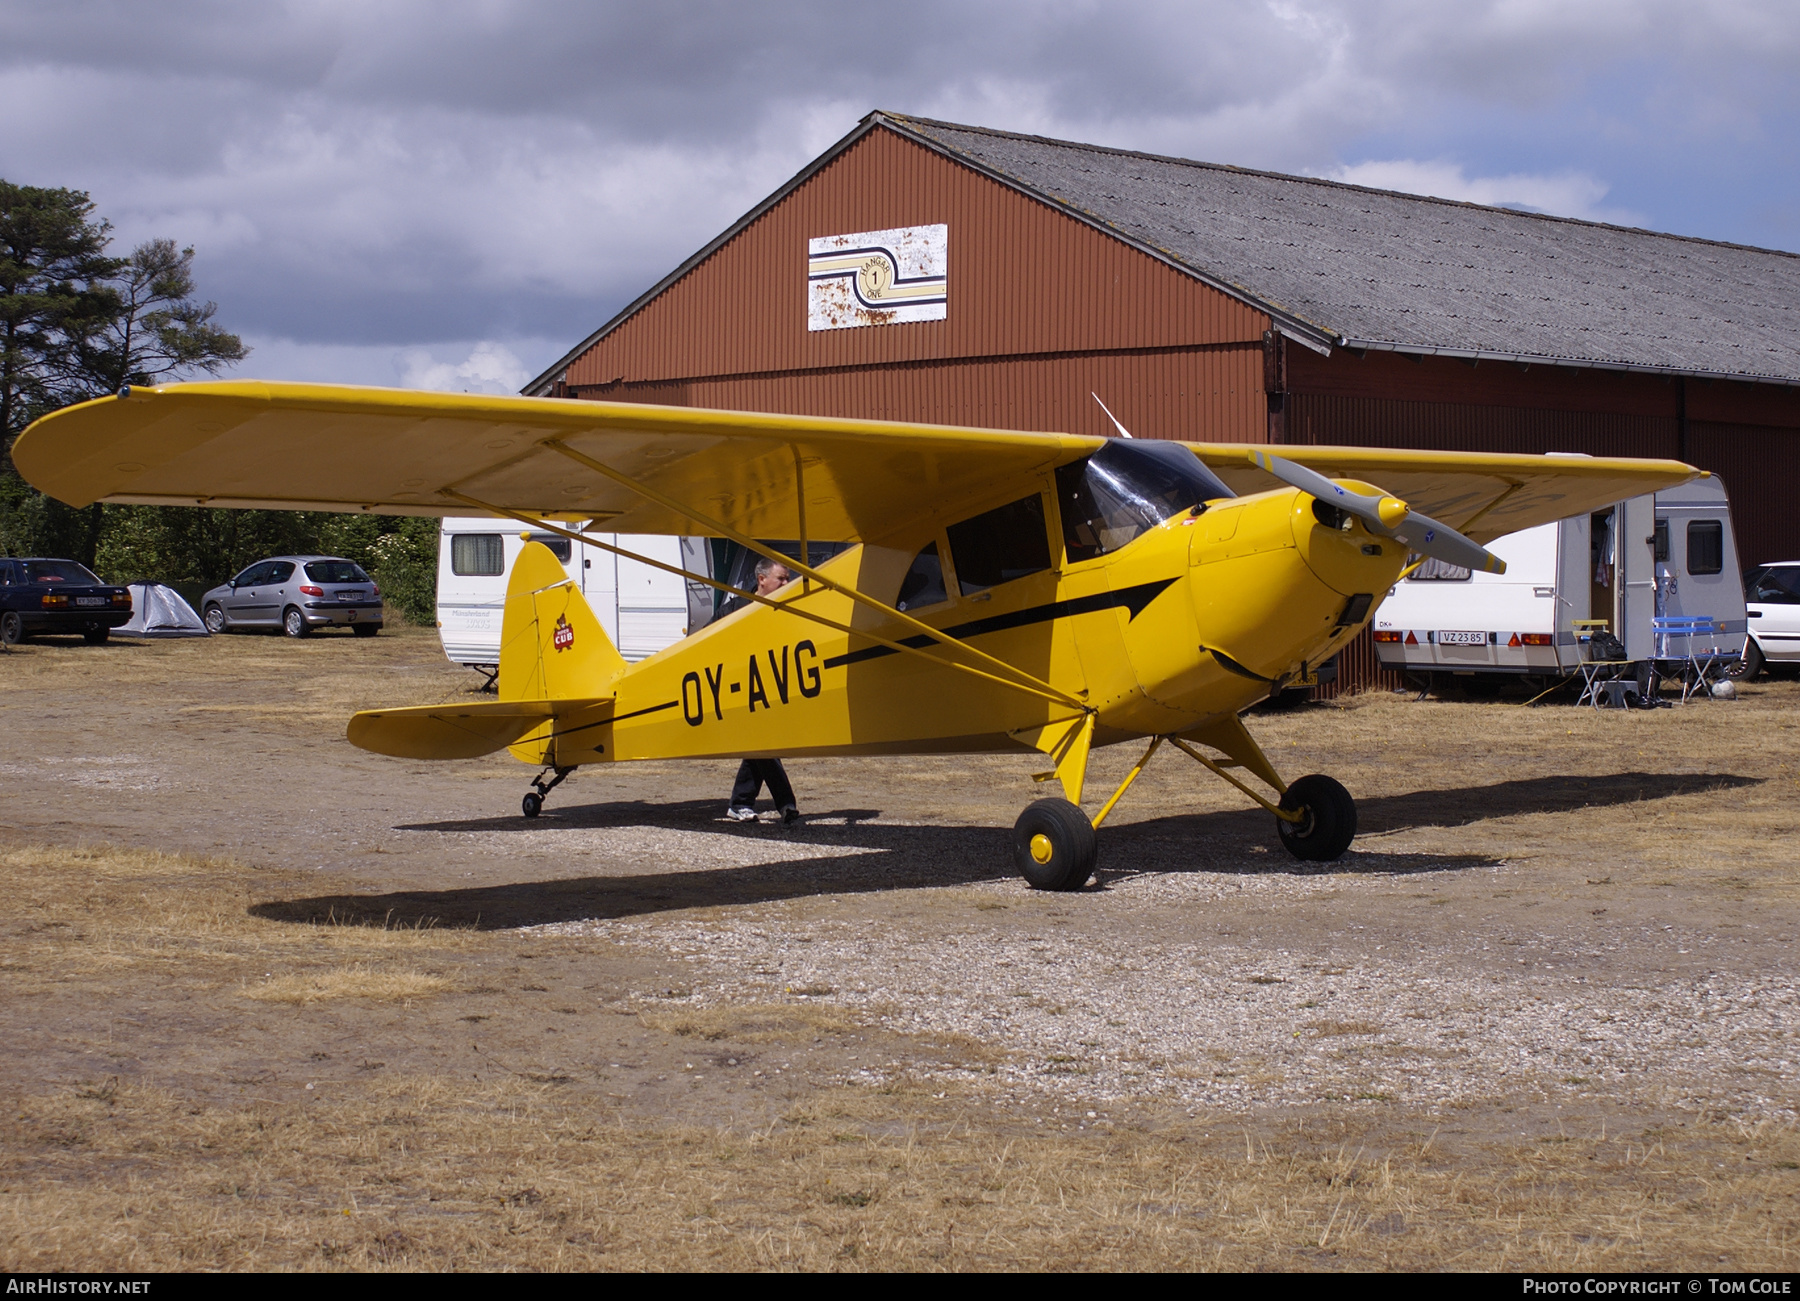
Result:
[
  {"x": 1024, "y": 279},
  {"x": 1044, "y": 309},
  {"x": 1212, "y": 394}
]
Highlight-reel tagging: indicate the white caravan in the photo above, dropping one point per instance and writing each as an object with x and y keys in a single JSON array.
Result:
[
  {"x": 642, "y": 609},
  {"x": 1670, "y": 556}
]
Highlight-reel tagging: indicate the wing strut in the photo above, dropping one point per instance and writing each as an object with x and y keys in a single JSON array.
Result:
[
  {"x": 789, "y": 606},
  {"x": 1037, "y": 684}
]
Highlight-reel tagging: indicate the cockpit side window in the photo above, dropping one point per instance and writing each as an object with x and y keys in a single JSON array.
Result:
[
  {"x": 1126, "y": 489},
  {"x": 998, "y": 546},
  {"x": 924, "y": 582}
]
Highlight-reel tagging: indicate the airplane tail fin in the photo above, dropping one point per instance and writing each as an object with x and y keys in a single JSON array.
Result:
[
  {"x": 557, "y": 668},
  {"x": 552, "y": 647}
]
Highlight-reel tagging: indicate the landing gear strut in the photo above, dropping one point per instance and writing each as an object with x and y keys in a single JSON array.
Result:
[
  {"x": 533, "y": 803},
  {"x": 1053, "y": 843}
]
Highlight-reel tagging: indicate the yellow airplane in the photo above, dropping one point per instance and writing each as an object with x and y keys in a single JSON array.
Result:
[{"x": 1001, "y": 591}]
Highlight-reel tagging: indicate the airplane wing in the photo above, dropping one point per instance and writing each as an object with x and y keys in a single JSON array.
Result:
[
  {"x": 399, "y": 452},
  {"x": 1485, "y": 495}
]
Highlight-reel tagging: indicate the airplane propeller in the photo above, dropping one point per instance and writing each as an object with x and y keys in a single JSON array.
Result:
[{"x": 1386, "y": 516}]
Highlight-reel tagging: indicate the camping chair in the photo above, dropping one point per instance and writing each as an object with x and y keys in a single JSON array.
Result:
[
  {"x": 1697, "y": 666},
  {"x": 1603, "y": 682}
]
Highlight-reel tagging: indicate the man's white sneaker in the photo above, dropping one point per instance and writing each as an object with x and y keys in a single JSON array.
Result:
[{"x": 740, "y": 815}]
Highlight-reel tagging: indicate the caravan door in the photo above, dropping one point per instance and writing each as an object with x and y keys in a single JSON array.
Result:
[{"x": 1634, "y": 582}]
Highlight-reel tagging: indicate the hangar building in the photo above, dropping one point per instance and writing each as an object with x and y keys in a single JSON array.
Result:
[{"x": 924, "y": 271}]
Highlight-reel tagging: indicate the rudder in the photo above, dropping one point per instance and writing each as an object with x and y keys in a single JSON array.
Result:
[{"x": 552, "y": 647}]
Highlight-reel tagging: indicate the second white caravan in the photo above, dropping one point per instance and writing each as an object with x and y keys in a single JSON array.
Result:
[{"x": 1620, "y": 570}]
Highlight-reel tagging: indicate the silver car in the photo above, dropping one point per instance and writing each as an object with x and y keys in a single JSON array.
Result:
[{"x": 296, "y": 594}]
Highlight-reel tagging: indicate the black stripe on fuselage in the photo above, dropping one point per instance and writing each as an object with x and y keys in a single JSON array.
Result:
[
  {"x": 1133, "y": 599},
  {"x": 617, "y": 718}
]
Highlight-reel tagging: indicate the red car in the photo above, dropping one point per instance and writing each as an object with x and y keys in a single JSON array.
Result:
[{"x": 57, "y": 596}]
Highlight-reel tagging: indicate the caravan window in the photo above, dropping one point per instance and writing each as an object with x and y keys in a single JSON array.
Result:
[
  {"x": 477, "y": 555},
  {"x": 1706, "y": 546},
  {"x": 560, "y": 547},
  {"x": 1438, "y": 571}
]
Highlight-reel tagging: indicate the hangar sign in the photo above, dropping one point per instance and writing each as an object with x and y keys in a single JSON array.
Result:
[{"x": 877, "y": 277}]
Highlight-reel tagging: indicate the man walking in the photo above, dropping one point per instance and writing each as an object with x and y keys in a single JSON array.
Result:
[{"x": 753, "y": 774}]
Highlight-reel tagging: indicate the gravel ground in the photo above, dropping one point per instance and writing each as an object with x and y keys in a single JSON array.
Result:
[{"x": 1496, "y": 1009}]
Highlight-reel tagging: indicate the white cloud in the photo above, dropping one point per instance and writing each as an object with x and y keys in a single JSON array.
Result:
[
  {"x": 489, "y": 368},
  {"x": 1563, "y": 194},
  {"x": 469, "y": 366}
]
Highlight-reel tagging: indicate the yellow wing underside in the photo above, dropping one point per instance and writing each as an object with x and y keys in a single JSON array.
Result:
[{"x": 400, "y": 452}]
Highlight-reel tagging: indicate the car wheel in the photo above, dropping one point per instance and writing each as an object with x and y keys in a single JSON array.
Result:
[
  {"x": 95, "y": 636},
  {"x": 1747, "y": 668},
  {"x": 215, "y": 620},
  {"x": 12, "y": 628},
  {"x": 294, "y": 624},
  {"x": 366, "y": 629}
]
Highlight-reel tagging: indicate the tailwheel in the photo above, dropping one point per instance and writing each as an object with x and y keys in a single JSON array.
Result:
[
  {"x": 542, "y": 785},
  {"x": 1053, "y": 846},
  {"x": 1328, "y": 819}
]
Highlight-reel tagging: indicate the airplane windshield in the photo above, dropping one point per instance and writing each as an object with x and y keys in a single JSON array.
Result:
[{"x": 1127, "y": 488}]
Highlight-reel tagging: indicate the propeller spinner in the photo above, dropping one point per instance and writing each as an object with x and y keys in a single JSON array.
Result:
[{"x": 1386, "y": 516}]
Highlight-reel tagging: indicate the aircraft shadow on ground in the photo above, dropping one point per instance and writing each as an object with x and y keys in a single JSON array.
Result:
[{"x": 886, "y": 857}]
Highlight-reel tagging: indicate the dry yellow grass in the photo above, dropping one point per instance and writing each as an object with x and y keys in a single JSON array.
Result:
[
  {"x": 355, "y": 981},
  {"x": 441, "y": 1171},
  {"x": 193, "y": 1151},
  {"x": 423, "y": 1173}
]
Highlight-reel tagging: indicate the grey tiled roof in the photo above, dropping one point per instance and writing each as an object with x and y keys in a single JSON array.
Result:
[{"x": 1363, "y": 267}]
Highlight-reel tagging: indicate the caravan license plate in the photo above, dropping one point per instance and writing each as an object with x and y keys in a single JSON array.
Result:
[{"x": 1462, "y": 639}]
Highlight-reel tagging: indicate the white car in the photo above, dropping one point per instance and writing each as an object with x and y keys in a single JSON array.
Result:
[{"x": 1772, "y": 601}]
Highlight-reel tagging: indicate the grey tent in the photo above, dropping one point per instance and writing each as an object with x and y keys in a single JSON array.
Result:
[{"x": 158, "y": 610}]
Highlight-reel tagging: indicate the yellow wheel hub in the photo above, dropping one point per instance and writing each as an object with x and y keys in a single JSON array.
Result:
[{"x": 1041, "y": 849}]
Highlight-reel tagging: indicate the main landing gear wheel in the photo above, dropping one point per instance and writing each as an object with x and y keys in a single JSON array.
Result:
[
  {"x": 1328, "y": 824},
  {"x": 533, "y": 804},
  {"x": 1053, "y": 846}
]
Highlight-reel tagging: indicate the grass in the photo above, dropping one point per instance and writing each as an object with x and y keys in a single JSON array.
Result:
[
  {"x": 541, "y": 1169},
  {"x": 422, "y": 1173},
  {"x": 398, "y": 1161}
]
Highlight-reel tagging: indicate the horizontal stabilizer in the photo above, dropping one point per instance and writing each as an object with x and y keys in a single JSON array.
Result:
[{"x": 456, "y": 731}]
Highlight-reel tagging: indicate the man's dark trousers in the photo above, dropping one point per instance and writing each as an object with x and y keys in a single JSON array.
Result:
[{"x": 752, "y": 773}]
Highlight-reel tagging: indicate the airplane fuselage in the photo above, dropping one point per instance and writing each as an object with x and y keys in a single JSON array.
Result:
[{"x": 1195, "y": 620}]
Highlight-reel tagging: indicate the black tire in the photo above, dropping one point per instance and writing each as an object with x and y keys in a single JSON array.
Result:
[
  {"x": 365, "y": 629},
  {"x": 214, "y": 618},
  {"x": 12, "y": 628},
  {"x": 96, "y": 636},
  {"x": 294, "y": 624},
  {"x": 532, "y": 804},
  {"x": 1053, "y": 846},
  {"x": 1330, "y": 822},
  {"x": 1750, "y": 667}
]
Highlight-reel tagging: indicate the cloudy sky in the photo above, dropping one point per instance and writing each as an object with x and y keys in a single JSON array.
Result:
[{"x": 451, "y": 194}]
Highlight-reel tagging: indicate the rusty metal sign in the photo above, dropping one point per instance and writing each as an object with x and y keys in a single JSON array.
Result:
[{"x": 877, "y": 277}]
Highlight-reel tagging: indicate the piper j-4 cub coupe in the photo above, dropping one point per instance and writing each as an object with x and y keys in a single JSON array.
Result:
[{"x": 1000, "y": 591}]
